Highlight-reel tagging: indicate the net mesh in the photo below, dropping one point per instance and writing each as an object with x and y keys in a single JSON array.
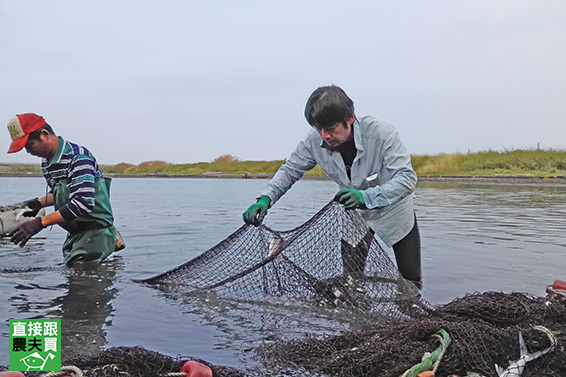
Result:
[
  {"x": 334, "y": 264},
  {"x": 10, "y": 217},
  {"x": 133, "y": 362},
  {"x": 483, "y": 329},
  {"x": 333, "y": 260}
]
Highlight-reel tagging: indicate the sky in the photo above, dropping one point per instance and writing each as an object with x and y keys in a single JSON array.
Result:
[{"x": 189, "y": 81}]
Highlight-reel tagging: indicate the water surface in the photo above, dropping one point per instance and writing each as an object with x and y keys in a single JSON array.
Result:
[{"x": 474, "y": 239}]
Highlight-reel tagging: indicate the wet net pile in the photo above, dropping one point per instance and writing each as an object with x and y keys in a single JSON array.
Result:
[
  {"x": 483, "y": 330},
  {"x": 131, "y": 362}
]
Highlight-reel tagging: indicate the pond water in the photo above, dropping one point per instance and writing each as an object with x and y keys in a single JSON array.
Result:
[{"x": 475, "y": 239}]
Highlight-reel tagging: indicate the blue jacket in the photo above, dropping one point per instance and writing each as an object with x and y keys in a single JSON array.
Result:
[{"x": 382, "y": 171}]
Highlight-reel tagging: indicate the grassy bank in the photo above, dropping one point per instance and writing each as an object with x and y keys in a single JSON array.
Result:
[
  {"x": 221, "y": 165},
  {"x": 538, "y": 163}
]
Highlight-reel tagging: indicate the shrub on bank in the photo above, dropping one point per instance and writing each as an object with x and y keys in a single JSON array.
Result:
[{"x": 527, "y": 162}]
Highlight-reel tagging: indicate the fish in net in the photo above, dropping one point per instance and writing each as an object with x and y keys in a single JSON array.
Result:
[{"x": 333, "y": 260}]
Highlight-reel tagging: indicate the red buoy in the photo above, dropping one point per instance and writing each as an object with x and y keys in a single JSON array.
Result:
[
  {"x": 195, "y": 369},
  {"x": 427, "y": 373},
  {"x": 559, "y": 284},
  {"x": 11, "y": 373}
]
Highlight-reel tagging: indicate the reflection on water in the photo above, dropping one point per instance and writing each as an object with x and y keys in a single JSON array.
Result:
[
  {"x": 81, "y": 296},
  {"x": 86, "y": 308},
  {"x": 491, "y": 238},
  {"x": 474, "y": 239},
  {"x": 507, "y": 214}
]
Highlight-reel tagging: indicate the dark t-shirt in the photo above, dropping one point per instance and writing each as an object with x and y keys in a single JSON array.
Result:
[{"x": 348, "y": 151}]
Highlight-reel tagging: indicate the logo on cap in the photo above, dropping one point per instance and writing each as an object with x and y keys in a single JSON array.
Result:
[{"x": 15, "y": 129}]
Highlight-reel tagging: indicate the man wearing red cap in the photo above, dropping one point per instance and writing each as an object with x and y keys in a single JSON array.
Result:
[{"x": 78, "y": 192}]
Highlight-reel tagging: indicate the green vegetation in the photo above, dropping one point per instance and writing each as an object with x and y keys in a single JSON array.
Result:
[
  {"x": 225, "y": 164},
  {"x": 541, "y": 163},
  {"x": 22, "y": 169},
  {"x": 517, "y": 162}
]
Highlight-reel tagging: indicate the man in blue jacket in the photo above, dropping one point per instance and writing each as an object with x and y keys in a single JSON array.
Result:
[{"x": 365, "y": 157}]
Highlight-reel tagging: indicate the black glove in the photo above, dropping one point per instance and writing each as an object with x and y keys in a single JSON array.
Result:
[
  {"x": 34, "y": 205},
  {"x": 26, "y": 231}
]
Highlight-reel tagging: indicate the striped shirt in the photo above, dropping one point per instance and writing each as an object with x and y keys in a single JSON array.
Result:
[{"x": 78, "y": 166}]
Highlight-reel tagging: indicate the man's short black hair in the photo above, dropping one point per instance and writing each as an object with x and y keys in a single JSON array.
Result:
[
  {"x": 35, "y": 134},
  {"x": 327, "y": 106}
]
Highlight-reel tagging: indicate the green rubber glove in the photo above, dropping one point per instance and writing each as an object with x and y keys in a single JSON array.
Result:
[
  {"x": 351, "y": 198},
  {"x": 255, "y": 214}
]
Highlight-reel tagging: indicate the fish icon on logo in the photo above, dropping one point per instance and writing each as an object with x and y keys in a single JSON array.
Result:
[{"x": 35, "y": 361}]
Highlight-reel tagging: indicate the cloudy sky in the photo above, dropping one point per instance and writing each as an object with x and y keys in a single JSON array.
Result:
[{"x": 188, "y": 81}]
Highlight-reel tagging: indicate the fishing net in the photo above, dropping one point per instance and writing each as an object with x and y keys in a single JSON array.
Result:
[
  {"x": 131, "y": 362},
  {"x": 333, "y": 260},
  {"x": 334, "y": 265},
  {"x": 483, "y": 329},
  {"x": 11, "y": 207},
  {"x": 12, "y": 215}
]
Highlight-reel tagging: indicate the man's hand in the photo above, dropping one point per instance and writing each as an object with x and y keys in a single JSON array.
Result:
[
  {"x": 34, "y": 205},
  {"x": 26, "y": 231},
  {"x": 255, "y": 214},
  {"x": 351, "y": 198}
]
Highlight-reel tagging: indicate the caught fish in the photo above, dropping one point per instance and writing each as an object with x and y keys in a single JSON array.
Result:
[
  {"x": 515, "y": 368},
  {"x": 14, "y": 215},
  {"x": 275, "y": 246}
]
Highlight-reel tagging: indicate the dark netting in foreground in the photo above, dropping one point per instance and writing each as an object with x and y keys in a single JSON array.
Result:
[
  {"x": 133, "y": 362},
  {"x": 332, "y": 260},
  {"x": 483, "y": 329}
]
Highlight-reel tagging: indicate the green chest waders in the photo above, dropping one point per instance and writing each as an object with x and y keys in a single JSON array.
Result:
[{"x": 91, "y": 237}]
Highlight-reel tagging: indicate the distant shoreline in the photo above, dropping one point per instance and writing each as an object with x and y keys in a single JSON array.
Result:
[{"x": 500, "y": 180}]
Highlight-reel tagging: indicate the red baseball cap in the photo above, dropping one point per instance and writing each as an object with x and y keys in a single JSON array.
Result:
[{"x": 20, "y": 127}]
